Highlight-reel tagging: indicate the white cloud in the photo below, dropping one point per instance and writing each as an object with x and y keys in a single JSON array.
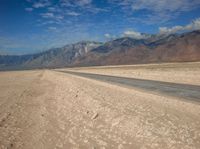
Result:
[
  {"x": 29, "y": 9},
  {"x": 59, "y": 17},
  {"x": 75, "y": 2},
  {"x": 133, "y": 34},
  {"x": 84, "y": 2},
  {"x": 159, "y": 11},
  {"x": 160, "y": 5},
  {"x": 38, "y": 5},
  {"x": 47, "y": 15},
  {"x": 194, "y": 25},
  {"x": 73, "y": 13},
  {"x": 42, "y": 23},
  {"x": 107, "y": 35},
  {"x": 97, "y": 10},
  {"x": 51, "y": 16},
  {"x": 52, "y": 28},
  {"x": 41, "y": 4},
  {"x": 84, "y": 5},
  {"x": 52, "y": 9}
]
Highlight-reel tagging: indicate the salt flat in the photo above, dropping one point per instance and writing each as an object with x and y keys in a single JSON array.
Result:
[{"x": 49, "y": 109}]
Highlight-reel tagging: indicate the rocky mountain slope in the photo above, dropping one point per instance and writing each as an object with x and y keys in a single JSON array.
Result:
[{"x": 126, "y": 50}]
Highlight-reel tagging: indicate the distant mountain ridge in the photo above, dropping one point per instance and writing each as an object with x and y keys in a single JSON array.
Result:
[
  {"x": 56, "y": 57},
  {"x": 126, "y": 50},
  {"x": 171, "y": 48}
]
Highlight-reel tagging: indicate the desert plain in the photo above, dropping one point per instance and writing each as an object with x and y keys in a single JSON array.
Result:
[{"x": 50, "y": 109}]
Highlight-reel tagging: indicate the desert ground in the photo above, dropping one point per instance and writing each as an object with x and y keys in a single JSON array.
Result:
[{"x": 48, "y": 109}]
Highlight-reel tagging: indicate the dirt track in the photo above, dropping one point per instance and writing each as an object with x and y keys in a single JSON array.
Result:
[
  {"x": 187, "y": 73},
  {"x": 185, "y": 91},
  {"x": 47, "y": 110}
]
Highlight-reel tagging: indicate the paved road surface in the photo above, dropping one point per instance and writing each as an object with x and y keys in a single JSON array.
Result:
[{"x": 184, "y": 91}]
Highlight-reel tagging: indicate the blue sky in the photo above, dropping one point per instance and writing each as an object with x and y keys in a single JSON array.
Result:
[{"x": 29, "y": 26}]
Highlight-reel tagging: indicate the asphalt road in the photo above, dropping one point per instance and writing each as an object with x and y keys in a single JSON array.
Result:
[{"x": 183, "y": 91}]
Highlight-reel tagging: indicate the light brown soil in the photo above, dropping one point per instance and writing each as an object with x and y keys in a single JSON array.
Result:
[{"x": 47, "y": 109}]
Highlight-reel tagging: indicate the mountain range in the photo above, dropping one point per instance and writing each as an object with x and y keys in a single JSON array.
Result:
[{"x": 156, "y": 48}]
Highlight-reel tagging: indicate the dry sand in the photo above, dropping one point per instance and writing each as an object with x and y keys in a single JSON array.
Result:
[{"x": 47, "y": 110}]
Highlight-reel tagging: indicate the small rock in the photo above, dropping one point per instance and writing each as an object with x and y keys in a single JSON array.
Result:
[
  {"x": 95, "y": 116},
  {"x": 11, "y": 144},
  {"x": 76, "y": 96}
]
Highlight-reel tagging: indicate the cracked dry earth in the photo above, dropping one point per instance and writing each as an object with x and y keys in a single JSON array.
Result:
[{"x": 51, "y": 110}]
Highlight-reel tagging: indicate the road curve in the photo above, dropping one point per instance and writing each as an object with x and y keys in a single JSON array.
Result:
[{"x": 183, "y": 91}]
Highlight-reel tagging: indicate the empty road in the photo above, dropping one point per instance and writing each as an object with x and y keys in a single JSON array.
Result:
[{"x": 184, "y": 91}]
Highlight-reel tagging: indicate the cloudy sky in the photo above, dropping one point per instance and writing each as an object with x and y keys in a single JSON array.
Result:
[{"x": 29, "y": 26}]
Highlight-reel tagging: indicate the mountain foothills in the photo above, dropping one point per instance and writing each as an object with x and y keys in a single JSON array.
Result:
[{"x": 152, "y": 48}]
